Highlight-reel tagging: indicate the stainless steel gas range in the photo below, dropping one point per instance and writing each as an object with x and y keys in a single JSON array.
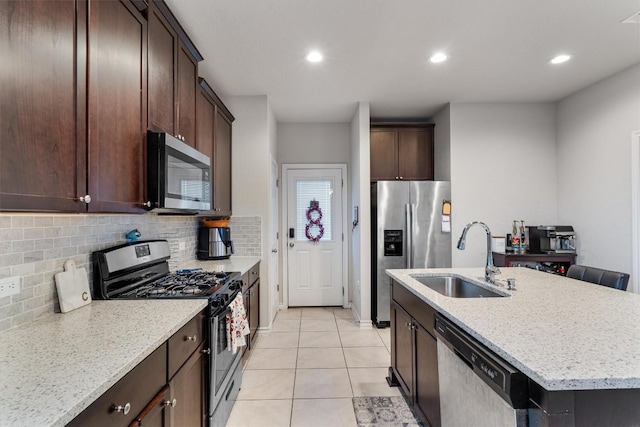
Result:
[{"x": 140, "y": 270}]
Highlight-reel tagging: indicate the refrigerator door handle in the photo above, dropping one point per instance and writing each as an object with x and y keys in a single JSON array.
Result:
[{"x": 408, "y": 210}]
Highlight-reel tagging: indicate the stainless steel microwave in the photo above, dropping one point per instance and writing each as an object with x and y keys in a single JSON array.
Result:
[{"x": 178, "y": 176}]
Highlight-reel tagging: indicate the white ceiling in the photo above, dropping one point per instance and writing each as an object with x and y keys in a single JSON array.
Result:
[{"x": 377, "y": 51}]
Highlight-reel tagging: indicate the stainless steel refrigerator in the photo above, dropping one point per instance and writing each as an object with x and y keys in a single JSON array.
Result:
[{"x": 409, "y": 229}]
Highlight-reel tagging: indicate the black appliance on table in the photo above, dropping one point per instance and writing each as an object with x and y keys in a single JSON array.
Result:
[{"x": 140, "y": 270}]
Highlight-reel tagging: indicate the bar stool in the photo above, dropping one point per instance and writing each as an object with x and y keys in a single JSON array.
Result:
[{"x": 612, "y": 279}]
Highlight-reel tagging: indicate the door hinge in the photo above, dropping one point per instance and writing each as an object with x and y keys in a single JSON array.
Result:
[
  {"x": 342, "y": 291},
  {"x": 277, "y": 183},
  {"x": 342, "y": 183},
  {"x": 278, "y": 287},
  {"x": 343, "y": 237},
  {"x": 277, "y": 235}
]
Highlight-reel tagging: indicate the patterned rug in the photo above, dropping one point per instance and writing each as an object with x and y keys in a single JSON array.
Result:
[{"x": 384, "y": 411}]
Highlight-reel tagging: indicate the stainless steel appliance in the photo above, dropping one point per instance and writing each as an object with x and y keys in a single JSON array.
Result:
[
  {"x": 140, "y": 270},
  {"x": 178, "y": 176},
  {"x": 409, "y": 229},
  {"x": 214, "y": 243},
  {"x": 477, "y": 387},
  {"x": 552, "y": 239}
]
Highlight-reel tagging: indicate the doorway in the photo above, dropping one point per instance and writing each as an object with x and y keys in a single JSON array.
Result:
[
  {"x": 313, "y": 230},
  {"x": 635, "y": 207}
]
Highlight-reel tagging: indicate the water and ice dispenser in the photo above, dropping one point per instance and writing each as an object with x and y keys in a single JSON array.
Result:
[{"x": 393, "y": 243}]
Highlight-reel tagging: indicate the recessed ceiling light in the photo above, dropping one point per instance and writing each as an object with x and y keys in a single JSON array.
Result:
[
  {"x": 314, "y": 56},
  {"x": 560, "y": 59},
  {"x": 438, "y": 57},
  {"x": 633, "y": 19}
]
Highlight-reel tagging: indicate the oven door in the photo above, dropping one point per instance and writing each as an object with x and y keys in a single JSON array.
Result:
[{"x": 222, "y": 360}]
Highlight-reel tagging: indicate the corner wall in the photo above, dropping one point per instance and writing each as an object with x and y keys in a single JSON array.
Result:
[
  {"x": 594, "y": 168},
  {"x": 251, "y": 166},
  {"x": 361, "y": 197},
  {"x": 503, "y": 167}
]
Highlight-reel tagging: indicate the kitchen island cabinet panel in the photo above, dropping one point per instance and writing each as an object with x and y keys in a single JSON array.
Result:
[
  {"x": 42, "y": 107},
  {"x": 414, "y": 353},
  {"x": 117, "y": 106}
]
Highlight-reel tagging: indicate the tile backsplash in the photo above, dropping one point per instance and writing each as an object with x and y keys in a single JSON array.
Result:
[{"x": 35, "y": 246}]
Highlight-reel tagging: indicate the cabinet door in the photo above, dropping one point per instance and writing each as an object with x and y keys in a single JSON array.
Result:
[
  {"x": 187, "y": 388},
  {"x": 384, "y": 154},
  {"x": 254, "y": 307},
  {"x": 162, "y": 68},
  {"x": 186, "y": 87},
  {"x": 402, "y": 348},
  {"x": 42, "y": 153},
  {"x": 415, "y": 154},
  {"x": 156, "y": 414},
  {"x": 205, "y": 120},
  {"x": 222, "y": 168},
  {"x": 427, "y": 389},
  {"x": 117, "y": 106}
]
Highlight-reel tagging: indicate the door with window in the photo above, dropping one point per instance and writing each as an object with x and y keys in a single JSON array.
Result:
[{"x": 314, "y": 237}]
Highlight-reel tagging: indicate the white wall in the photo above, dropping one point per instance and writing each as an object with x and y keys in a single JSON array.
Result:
[
  {"x": 442, "y": 144},
  {"x": 503, "y": 167},
  {"x": 594, "y": 169},
  {"x": 313, "y": 143},
  {"x": 251, "y": 162},
  {"x": 361, "y": 197}
]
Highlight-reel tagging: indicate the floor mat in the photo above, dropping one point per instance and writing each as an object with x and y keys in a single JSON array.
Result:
[{"x": 384, "y": 412}]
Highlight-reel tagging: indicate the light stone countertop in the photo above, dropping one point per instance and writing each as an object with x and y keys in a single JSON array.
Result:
[
  {"x": 235, "y": 263},
  {"x": 562, "y": 333},
  {"x": 55, "y": 367}
]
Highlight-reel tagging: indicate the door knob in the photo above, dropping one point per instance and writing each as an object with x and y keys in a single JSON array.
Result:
[
  {"x": 275, "y": 251},
  {"x": 291, "y": 244}
]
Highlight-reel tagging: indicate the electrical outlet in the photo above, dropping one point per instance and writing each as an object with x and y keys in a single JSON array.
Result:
[
  {"x": 182, "y": 246},
  {"x": 9, "y": 286}
]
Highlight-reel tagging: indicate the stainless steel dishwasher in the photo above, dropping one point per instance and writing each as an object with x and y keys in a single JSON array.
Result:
[{"x": 477, "y": 388}]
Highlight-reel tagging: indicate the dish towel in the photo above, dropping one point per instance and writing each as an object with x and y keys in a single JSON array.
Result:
[{"x": 237, "y": 325}]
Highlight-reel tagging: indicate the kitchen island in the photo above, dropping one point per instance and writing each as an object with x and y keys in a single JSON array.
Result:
[{"x": 578, "y": 343}]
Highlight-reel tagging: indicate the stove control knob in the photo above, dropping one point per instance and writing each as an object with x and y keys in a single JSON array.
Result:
[{"x": 235, "y": 285}]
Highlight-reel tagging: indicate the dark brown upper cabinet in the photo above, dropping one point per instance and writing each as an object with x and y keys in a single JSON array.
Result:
[
  {"x": 215, "y": 139},
  {"x": 173, "y": 72},
  {"x": 401, "y": 152},
  {"x": 42, "y": 106}
]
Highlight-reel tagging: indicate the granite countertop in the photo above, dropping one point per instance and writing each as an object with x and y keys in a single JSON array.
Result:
[
  {"x": 562, "y": 333},
  {"x": 235, "y": 263},
  {"x": 52, "y": 369}
]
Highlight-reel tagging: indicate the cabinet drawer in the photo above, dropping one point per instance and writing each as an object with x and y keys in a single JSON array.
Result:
[
  {"x": 418, "y": 309},
  {"x": 136, "y": 389},
  {"x": 254, "y": 273},
  {"x": 184, "y": 342}
]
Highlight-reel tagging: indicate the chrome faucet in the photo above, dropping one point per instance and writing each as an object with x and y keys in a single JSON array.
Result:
[{"x": 490, "y": 270}]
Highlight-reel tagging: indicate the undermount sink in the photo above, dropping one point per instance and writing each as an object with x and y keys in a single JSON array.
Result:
[{"x": 456, "y": 287}]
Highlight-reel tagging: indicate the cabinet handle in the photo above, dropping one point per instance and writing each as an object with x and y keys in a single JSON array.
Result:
[
  {"x": 146, "y": 204},
  {"x": 193, "y": 338},
  {"x": 124, "y": 409},
  {"x": 401, "y": 178},
  {"x": 205, "y": 351},
  {"x": 86, "y": 199},
  {"x": 171, "y": 403}
]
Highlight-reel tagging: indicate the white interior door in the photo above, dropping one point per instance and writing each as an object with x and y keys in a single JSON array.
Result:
[{"x": 314, "y": 237}]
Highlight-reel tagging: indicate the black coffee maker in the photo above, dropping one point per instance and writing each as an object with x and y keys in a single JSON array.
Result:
[
  {"x": 214, "y": 243},
  {"x": 552, "y": 239}
]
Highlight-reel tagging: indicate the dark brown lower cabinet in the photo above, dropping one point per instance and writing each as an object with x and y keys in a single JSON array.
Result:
[
  {"x": 144, "y": 397},
  {"x": 187, "y": 393},
  {"x": 427, "y": 387},
  {"x": 414, "y": 353}
]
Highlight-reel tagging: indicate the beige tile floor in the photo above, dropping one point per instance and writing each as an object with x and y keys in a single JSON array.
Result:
[{"x": 305, "y": 372}]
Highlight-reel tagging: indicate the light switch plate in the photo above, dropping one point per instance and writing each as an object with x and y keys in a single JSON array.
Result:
[{"x": 9, "y": 286}]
